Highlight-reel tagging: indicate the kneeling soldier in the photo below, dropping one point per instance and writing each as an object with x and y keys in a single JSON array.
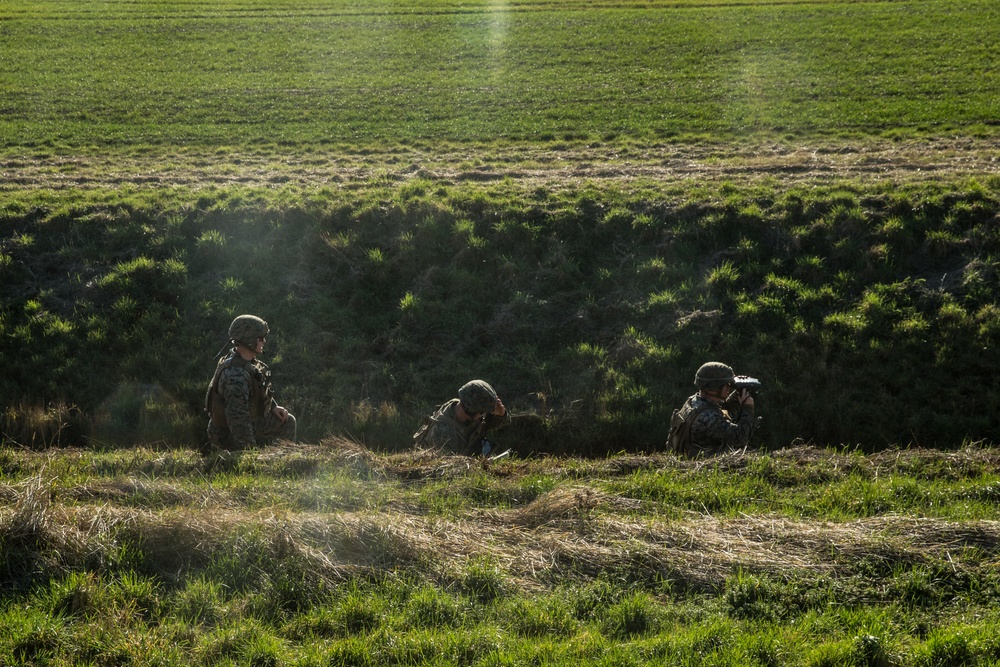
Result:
[{"x": 240, "y": 403}]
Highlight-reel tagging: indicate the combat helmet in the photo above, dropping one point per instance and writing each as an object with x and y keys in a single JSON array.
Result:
[
  {"x": 477, "y": 396},
  {"x": 713, "y": 375},
  {"x": 246, "y": 329}
]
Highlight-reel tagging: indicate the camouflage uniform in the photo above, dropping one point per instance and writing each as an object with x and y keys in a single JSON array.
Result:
[
  {"x": 445, "y": 431},
  {"x": 239, "y": 401},
  {"x": 240, "y": 404},
  {"x": 714, "y": 429}
]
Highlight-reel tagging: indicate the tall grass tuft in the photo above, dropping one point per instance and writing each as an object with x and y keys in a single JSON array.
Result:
[
  {"x": 35, "y": 547},
  {"x": 541, "y": 617},
  {"x": 634, "y": 616},
  {"x": 58, "y": 424},
  {"x": 433, "y": 608},
  {"x": 249, "y": 643},
  {"x": 201, "y": 601},
  {"x": 868, "y": 650},
  {"x": 484, "y": 581}
]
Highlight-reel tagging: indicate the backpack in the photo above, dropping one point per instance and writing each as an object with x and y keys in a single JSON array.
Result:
[{"x": 681, "y": 420}]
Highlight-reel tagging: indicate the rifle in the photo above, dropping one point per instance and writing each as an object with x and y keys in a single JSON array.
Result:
[{"x": 487, "y": 446}]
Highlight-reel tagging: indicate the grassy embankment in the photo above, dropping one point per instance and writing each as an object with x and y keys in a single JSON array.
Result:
[
  {"x": 865, "y": 309},
  {"x": 580, "y": 203}
]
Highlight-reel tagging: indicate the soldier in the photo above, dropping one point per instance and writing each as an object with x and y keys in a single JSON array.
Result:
[
  {"x": 460, "y": 425},
  {"x": 714, "y": 420},
  {"x": 241, "y": 407}
]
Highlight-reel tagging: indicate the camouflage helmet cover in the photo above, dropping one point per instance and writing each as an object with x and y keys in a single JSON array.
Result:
[
  {"x": 246, "y": 329},
  {"x": 713, "y": 375},
  {"x": 477, "y": 396}
]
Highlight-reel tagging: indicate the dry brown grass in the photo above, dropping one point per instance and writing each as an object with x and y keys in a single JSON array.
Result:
[
  {"x": 570, "y": 532},
  {"x": 556, "y": 167},
  {"x": 40, "y": 427},
  {"x": 37, "y": 538},
  {"x": 575, "y": 531}
]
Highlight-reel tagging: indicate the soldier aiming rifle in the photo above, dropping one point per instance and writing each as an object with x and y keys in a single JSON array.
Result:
[{"x": 717, "y": 419}]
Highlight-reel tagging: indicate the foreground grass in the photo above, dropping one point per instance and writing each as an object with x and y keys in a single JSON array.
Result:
[
  {"x": 313, "y": 72},
  {"x": 334, "y": 555}
]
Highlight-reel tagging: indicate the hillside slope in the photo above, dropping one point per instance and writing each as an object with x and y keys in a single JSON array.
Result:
[{"x": 586, "y": 282}]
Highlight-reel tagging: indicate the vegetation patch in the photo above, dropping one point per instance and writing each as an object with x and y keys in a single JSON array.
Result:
[
  {"x": 583, "y": 569},
  {"x": 602, "y": 302}
]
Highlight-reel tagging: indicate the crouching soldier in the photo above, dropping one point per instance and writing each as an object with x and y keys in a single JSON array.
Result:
[
  {"x": 240, "y": 403},
  {"x": 460, "y": 426}
]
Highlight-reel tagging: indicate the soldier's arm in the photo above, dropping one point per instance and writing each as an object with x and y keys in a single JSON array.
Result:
[
  {"x": 497, "y": 422},
  {"x": 266, "y": 372},
  {"x": 234, "y": 385},
  {"x": 712, "y": 426},
  {"x": 744, "y": 426},
  {"x": 445, "y": 436}
]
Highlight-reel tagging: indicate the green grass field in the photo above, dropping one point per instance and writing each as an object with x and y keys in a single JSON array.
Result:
[
  {"x": 302, "y": 73},
  {"x": 580, "y": 201}
]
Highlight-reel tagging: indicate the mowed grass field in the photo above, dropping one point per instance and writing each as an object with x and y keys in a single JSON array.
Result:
[{"x": 309, "y": 72}]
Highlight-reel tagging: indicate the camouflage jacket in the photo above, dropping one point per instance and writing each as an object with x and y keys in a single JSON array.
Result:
[
  {"x": 714, "y": 430},
  {"x": 443, "y": 430},
  {"x": 239, "y": 396}
]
